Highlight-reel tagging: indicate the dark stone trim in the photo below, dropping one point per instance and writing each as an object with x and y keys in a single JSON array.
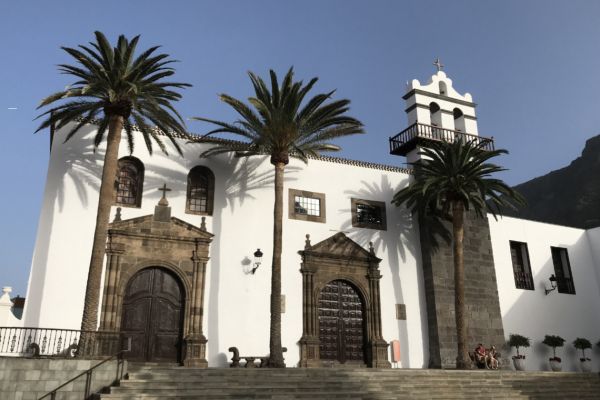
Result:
[
  {"x": 438, "y": 96},
  {"x": 379, "y": 204},
  {"x": 302, "y": 217}
]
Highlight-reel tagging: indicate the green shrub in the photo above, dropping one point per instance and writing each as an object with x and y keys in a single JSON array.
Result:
[{"x": 517, "y": 341}]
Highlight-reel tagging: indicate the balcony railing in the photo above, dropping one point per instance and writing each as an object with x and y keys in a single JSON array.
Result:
[
  {"x": 407, "y": 140},
  {"x": 565, "y": 285},
  {"x": 523, "y": 280},
  {"x": 36, "y": 342}
]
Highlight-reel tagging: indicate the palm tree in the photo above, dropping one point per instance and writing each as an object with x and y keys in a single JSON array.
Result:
[
  {"x": 451, "y": 178},
  {"x": 119, "y": 90},
  {"x": 282, "y": 125}
]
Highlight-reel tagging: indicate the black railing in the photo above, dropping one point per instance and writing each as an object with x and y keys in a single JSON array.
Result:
[
  {"x": 44, "y": 342},
  {"x": 565, "y": 285},
  {"x": 406, "y": 140},
  {"x": 89, "y": 375},
  {"x": 523, "y": 280}
]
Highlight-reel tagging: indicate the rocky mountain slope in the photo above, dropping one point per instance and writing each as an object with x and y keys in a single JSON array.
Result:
[{"x": 568, "y": 196}]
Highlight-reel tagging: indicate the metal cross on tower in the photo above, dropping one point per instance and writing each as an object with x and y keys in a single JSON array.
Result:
[{"x": 438, "y": 64}]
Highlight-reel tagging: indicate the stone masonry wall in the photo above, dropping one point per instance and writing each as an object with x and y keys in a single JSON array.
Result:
[
  {"x": 30, "y": 379},
  {"x": 484, "y": 320}
]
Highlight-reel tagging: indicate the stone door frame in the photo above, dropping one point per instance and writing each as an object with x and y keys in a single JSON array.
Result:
[
  {"x": 340, "y": 258},
  {"x": 146, "y": 242}
]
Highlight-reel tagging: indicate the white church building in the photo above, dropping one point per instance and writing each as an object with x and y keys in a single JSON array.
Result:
[{"x": 357, "y": 272}]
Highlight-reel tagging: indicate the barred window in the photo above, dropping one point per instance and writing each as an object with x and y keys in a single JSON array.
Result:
[
  {"x": 368, "y": 214},
  {"x": 521, "y": 266},
  {"x": 129, "y": 183},
  {"x": 200, "y": 191},
  {"x": 562, "y": 270}
]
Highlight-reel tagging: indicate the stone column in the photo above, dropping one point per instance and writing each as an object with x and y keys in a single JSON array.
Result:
[
  {"x": 108, "y": 316},
  {"x": 195, "y": 341},
  {"x": 378, "y": 346},
  {"x": 309, "y": 343}
]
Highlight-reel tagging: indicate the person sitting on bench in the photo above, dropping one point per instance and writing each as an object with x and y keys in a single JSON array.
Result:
[{"x": 480, "y": 355}]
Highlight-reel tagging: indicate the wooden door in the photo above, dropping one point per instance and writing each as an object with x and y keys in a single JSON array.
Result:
[
  {"x": 341, "y": 324},
  {"x": 153, "y": 316}
]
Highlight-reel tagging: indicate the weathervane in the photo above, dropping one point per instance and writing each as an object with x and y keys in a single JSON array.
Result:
[{"x": 438, "y": 64}]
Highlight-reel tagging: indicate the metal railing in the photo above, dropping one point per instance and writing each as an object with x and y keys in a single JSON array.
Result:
[
  {"x": 431, "y": 132},
  {"x": 89, "y": 374},
  {"x": 523, "y": 280},
  {"x": 45, "y": 342}
]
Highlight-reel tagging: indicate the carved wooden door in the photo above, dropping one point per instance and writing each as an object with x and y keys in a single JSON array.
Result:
[
  {"x": 341, "y": 327},
  {"x": 153, "y": 316}
]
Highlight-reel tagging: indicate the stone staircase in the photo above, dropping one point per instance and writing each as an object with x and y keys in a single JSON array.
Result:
[{"x": 156, "y": 382}]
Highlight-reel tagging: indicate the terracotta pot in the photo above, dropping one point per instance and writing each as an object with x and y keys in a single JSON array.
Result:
[
  {"x": 586, "y": 366},
  {"x": 555, "y": 366},
  {"x": 519, "y": 364}
]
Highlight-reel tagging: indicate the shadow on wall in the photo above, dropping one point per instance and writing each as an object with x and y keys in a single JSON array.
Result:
[
  {"x": 535, "y": 314},
  {"x": 83, "y": 169},
  {"x": 399, "y": 238}
]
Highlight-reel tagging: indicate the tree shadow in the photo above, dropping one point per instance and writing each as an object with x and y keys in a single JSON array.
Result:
[
  {"x": 77, "y": 162},
  {"x": 399, "y": 242}
]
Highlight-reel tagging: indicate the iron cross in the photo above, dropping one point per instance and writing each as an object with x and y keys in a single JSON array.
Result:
[
  {"x": 164, "y": 189},
  {"x": 438, "y": 64}
]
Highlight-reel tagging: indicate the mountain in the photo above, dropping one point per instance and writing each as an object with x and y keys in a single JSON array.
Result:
[{"x": 568, "y": 196}]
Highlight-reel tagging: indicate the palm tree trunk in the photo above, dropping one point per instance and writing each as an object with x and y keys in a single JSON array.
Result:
[
  {"x": 89, "y": 321},
  {"x": 276, "y": 354},
  {"x": 458, "y": 230}
]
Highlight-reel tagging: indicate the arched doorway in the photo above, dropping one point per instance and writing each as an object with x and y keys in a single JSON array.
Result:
[
  {"x": 153, "y": 315},
  {"x": 341, "y": 323}
]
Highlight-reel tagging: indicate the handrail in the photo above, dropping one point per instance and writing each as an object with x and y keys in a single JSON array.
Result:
[{"x": 88, "y": 374}]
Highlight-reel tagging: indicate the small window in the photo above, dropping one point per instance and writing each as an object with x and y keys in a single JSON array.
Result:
[
  {"x": 306, "y": 206},
  {"x": 562, "y": 270},
  {"x": 200, "y": 191},
  {"x": 459, "y": 120},
  {"x": 129, "y": 183},
  {"x": 368, "y": 214},
  {"x": 521, "y": 266}
]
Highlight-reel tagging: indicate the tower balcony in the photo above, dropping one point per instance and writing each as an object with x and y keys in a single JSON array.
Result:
[{"x": 420, "y": 134}]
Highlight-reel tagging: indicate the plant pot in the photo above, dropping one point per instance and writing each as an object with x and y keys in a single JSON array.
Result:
[
  {"x": 519, "y": 364},
  {"x": 555, "y": 366},
  {"x": 586, "y": 366}
]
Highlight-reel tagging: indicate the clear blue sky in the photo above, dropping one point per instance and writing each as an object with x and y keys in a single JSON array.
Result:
[{"x": 532, "y": 66}]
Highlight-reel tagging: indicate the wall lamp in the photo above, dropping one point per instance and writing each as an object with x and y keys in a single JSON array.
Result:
[
  {"x": 257, "y": 260},
  {"x": 552, "y": 284}
]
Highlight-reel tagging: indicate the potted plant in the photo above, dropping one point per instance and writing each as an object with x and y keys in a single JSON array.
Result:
[
  {"x": 517, "y": 341},
  {"x": 582, "y": 344},
  {"x": 554, "y": 342}
]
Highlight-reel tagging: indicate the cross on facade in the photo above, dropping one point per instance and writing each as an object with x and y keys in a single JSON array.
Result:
[
  {"x": 438, "y": 64},
  {"x": 164, "y": 189}
]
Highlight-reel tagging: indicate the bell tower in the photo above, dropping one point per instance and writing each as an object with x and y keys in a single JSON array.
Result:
[{"x": 436, "y": 111}]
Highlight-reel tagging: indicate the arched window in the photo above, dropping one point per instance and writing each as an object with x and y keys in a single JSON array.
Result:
[
  {"x": 435, "y": 114},
  {"x": 200, "y": 191},
  {"x": 459, "y": 120},
  {"x": 130, "y": 182}
]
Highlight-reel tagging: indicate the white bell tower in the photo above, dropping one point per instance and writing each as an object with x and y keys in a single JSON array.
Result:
[{"x": 436, "y": 111}]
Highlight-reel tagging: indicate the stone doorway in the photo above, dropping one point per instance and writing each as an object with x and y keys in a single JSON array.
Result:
[
  {"x": 153, "y": 315},
  {"x": 341, "y": 323},
  {"x": 341, "y": 311}
]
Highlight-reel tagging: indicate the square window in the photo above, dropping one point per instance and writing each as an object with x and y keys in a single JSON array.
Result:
[
  {"x": 521, "y": 265},
  {"x": 306, "y": 206},
  {"x": 562, "y": 270},
  {"x": 368, "y": 214}
]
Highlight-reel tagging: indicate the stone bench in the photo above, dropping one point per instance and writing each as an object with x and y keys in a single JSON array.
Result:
[{"x": 235, "y": 360}]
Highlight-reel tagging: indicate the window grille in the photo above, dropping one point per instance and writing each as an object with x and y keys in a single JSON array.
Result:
[
  {"x": 200, "y": 191},
  {"x": 562, "y": 270},
  {"x": 521, "y": 266},
  {"x": 129, "y": 184}
]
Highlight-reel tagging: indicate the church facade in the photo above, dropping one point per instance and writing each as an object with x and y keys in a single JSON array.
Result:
[{"x": 184, "y": 279}]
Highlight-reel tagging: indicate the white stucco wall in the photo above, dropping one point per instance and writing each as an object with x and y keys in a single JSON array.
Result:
[
  {"x": 534, "y": 314},
  {"x": 236, "y": 304}
]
